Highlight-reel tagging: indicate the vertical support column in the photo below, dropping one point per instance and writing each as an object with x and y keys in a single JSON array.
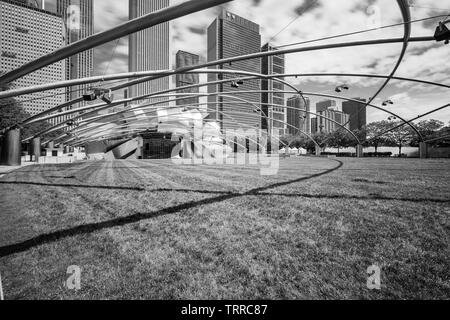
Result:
[
  {"x": 318, "y": 151},
  {"x": 359, "y": 151},
  {"x": 36, "y": 148},
  {"x": 187, "y": 148},
  {"x": 11, "y": 148},
  {"x": 423, "y": 150}
]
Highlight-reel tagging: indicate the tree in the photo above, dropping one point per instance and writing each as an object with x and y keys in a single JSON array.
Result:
[
  {"x": 339, "y": 139},
  {"x": 361, "y": 134},
  {"x": 400, "y": 137},
  {"x": 12, "y": 113},
  {"x": 320, "y": 138},
  {"x": 429, "y": 129},
  {"x": 374, "y": 132}
]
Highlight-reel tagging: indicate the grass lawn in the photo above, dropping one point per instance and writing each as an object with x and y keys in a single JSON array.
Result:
[{"x": 155, "y": 230}]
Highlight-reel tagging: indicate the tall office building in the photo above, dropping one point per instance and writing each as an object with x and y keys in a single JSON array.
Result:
[
  {"x": 313, "y": 125},
  {"x": 28, "y": 32},
  {"x": 327, "y": 126},
  {"x": 297, "y": 119},
  {"x": 325, "y": 105},
  {"x": 357, "y": 112},
  {"x": 228, "y": 36},
  {"x": 150, "y": 49},
  {"x": 185, "y": 59},
  {"x": 273, "y": 103},
  {"x": 78, "y": 17}
]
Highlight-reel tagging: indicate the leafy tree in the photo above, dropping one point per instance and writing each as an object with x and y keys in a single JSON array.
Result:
[
  {"x": 285, "y": 140},
  {"x": 12, "y": 113},
  {"x": 339, "y": 139},
  {"x": 400, "y": 137},
  {"x": 321, "y": 139},
  {"x": 429, "y": 129},
  {"x": 374, "y": 132},
  {"x": 361, "y": 134}
]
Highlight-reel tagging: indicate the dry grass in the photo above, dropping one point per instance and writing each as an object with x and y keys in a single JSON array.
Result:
[{"x": 154, "y": 230}]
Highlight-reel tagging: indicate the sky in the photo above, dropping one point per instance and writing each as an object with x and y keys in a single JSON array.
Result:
[{"x": 293, "y": 21}]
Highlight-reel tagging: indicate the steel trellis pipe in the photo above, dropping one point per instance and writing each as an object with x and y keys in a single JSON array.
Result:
[
  {"x": 253, "y": 75},
  {"x": 135, "y": 25}
]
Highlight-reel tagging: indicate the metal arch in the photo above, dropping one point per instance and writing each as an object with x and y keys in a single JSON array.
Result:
[
  {"x": 239, "y": 58},
  {"x": 253, "y": 75},
  {"x": 165, "y": 73},
  {"x": 151, "y": 95},
  {"x": 130, "y": 131},
  {"x": 137, "y": 131},
  {"x": 409, "y": 121},
  {"x": 123, "y": 126},
  {"x": 146, "y": 106},
  {"x": 237, "y": 92},
  {"x": 176, "y": 107},
  {"x": 406, "y": 14},
  {"x": 220, "y": 95},
  {"x": 135, "y": 25},
  {"x": 368, "y": 75},
  {"x": 131, "y": 123}
]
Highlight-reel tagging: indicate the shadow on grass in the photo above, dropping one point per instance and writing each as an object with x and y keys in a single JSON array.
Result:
[
  {"x": 137, "y": 217},
  {"x": 72, "y": 185},
  {"x": 306, "y": 195}
]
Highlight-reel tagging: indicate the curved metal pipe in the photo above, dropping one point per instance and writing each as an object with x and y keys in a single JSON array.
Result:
[
  {"x": 166, "y": 73},
  {"x": 409, "y": 121},
  {"x": 176, "y": 107},
  {"x": 143, "y": 129},
  {"x": 406, "y": 14},
  {"x": 135, "y": 25},
  {"x": 251, "y": 76},
  {"x": 238, "y": 92},
  {"x": 131, "y": 123}
]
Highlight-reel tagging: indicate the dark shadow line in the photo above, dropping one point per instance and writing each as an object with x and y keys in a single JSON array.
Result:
[
  {"x": 72, "y": 185},
  {"x": 339, "y": 197},
  {"x": 309, "y": 196},
  {"x": 122, "y": 221}
]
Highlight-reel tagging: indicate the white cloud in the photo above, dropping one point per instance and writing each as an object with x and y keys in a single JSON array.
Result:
[{"x": 426, "y": 60}]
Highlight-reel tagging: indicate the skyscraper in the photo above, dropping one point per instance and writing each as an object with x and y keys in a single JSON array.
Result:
[
  {"x": 313, "y": 125},
  {"x": 150, "y": 49},
  {"x": 297, "y": 119},
  {"x": 273, "y": 103},
  {"x": 357, "y": 112},
  {"x": 185, "y": 59},
  {"x": 327, "y": 126},
  {"x": 78, "y": 17},
  {"x": 27, "y": 33},
  {"x": 228, "y": 36},
  {"x": 325, "y": 105}
]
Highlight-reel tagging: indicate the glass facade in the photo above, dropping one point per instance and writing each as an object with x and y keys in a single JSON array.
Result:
[
  {"x": 273, "y": 103},
  {"x": 185, "y": 59},
  {"x": 357, "y": 112},
  {"x": 78, "y": 17},
  {"x": 26, "y": 34},
  {"x": 150, "y": 49},
  {"x": 297, "y": 119},
  {"x": 229, "y": 36}
]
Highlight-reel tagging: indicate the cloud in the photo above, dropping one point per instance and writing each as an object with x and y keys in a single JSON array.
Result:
[
  {"x": 307, "y": 6},
  {"x": 425, "y": 60}
]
